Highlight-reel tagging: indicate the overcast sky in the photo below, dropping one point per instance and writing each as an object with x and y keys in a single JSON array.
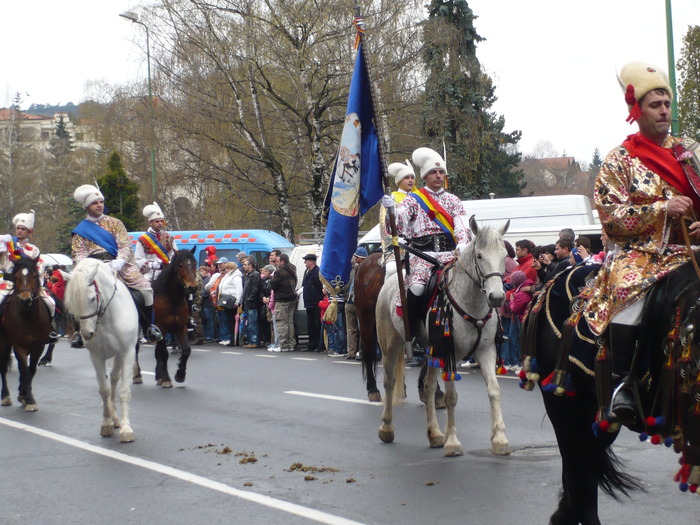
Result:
[{"x": 553, "y": 61}]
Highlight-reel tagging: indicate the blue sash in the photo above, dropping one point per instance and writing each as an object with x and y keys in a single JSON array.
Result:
[{"x": 94, "y": 233}]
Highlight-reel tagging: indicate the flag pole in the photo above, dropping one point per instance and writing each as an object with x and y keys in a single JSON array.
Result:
[{"x": 360, "y": 38}]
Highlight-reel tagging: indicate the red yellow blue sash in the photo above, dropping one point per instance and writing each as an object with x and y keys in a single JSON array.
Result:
[
  {"x": 436, "y": 212},
  {"x": 151, "y": 242},
  {"x": 12, "y": 251}
]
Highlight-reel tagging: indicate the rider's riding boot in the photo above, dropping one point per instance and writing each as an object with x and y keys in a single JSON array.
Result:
[
  {"x": 77, "y": 340},
  {"x": 501, "y": 336},
  {"x": 414, "y": 307},
  {"x": 151, "y": 331},
  {"x": 622, "y": 342},
  {"x": 191, "y": 323}
]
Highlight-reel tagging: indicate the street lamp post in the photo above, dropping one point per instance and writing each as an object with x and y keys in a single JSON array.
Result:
[{"x": 134, "y": 17}]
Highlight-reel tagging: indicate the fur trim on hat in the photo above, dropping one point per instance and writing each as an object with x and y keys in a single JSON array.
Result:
[
  {"x": 24, "y": 219},
  {"x": 87, "y": 194},
  {"x": 637, "y": 79},
  {"x": 427, "y": 159},
  {"x": 153, "y": 212},
  {"x": 400, "y": 171}
]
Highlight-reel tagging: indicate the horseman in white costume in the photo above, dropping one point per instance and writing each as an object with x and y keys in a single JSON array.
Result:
[
  {"x": 433, "y": 221},
  {"x": 156, "y": 247},
  {"x": 14, "y": 248}
]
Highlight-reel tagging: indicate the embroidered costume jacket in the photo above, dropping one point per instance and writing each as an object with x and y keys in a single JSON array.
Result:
[
  {"x": 24, "y": 249},
  {"x": 130, "y": 273},
  {"x": 631, "y": 202},
  {"x": 412, "y": 222},
  {"x": 144, "y": 253}
]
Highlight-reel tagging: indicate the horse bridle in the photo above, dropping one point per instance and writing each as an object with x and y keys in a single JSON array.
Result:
[
  {"x": 481, "y": 282},
  {"x": 98, "y": 296}
]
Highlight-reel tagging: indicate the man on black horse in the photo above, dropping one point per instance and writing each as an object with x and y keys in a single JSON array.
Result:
[
  {"x": 434, "y": 222},
  {"x": 100, "y": 236},
  {"x": 645, "y": 191}
]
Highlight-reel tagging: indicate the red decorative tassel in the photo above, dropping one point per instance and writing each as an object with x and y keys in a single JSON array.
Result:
[{"x": 635, "y": 113}]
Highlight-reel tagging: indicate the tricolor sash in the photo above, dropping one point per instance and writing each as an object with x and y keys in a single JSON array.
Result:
[
  {"x": 151, "y": 242},
  {"x": 94, "y": 233},
  {"x": 14, "y": 253},
  {"x": 436, "y": 212}
]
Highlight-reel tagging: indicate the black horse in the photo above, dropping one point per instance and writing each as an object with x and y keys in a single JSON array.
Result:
[{"x": 562, "y": 358}]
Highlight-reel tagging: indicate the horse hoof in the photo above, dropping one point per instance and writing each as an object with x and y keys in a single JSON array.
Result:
[
  {"x": 6, "y": 401},
  {"x": 375, "y": 397},
  {"x": 387, "y": 436},
  {"x": 21, "y": 399},
  {"x": 44, "y": 362},
  {"x": 453, "y": 452},
  {"x": 180, "y": 377},
  {"x": 31, "y": 407},
  {"x": 436, "y": 441},
  {"x": 159, "y": 382},
  {"x": 167, "y": 384},
  {"x": 126, "y": 437},
  {"x": 137, "y": 380},
  {"x": 107, "y": 430},
  {"x": 501, "y": 449}
]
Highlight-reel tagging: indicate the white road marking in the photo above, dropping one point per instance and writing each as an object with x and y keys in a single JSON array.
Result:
[
  {"x": 231, "y": 353},
  {"x": 333, "y": 398},
  {"x": 267, "y": 501},
  {"x": 264, "y": 355},
  {"x": 200, "y": 350},
  {"x": 143, "y": 372},
  {"x": 305, "y": 358}
]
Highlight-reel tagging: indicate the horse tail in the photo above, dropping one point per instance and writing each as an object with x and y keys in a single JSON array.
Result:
[
  {"x": 400, "y": 377},
  {"x": 611, "y": 479}
]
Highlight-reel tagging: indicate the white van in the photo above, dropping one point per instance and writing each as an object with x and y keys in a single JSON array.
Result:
[{"x": 538, "y": 219}]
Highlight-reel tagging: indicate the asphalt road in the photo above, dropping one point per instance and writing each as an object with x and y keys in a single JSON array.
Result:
[{"x": 254, "y": 437}]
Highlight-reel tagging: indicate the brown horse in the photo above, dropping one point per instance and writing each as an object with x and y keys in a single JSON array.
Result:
[
  {"x": 25, "y": 326},
  {"x": 369, "y": 278},
  {"x": 171, "y": 314}
]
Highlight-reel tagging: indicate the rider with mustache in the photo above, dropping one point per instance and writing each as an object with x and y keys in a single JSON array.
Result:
[{"x": 647, "y": 188}]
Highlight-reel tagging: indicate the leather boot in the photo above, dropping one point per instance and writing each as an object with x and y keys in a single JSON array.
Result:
[
  {"x": 151, "y": 331},
  {"x": 77, "y": 340},
  {"x": 623, "y": 340},
  {"x": 414, "y": 305}
]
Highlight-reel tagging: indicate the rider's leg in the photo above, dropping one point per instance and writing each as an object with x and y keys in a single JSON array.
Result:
[
  {"x": 414, "y": 305},
  {"x": 48, "y": 300},
  {"x": 150, "y": 330},
  {"x": 191, "y": 323},
  {"x": 623, "y": 332}
]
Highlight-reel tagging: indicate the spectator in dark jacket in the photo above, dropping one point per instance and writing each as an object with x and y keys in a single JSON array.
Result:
[
  {"x": 284, "y": 283},
  {"x": 252, "y": 300},
  {"x": 313, "y": 294}
]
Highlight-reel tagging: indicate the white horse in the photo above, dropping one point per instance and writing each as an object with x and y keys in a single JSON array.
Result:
[
  {"x": 109, "y": 326},
  {"x": 473, "y": 287}
]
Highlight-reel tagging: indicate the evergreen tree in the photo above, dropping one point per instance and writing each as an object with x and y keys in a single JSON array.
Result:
[
  {"x": 689, "y": 84},
  {"x": 121, "y": 194},
  {"x": 458, "y": 95},
  {"x": 62, "y": 143}
]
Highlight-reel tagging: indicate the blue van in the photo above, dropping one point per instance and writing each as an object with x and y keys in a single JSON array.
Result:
[{"x": 256, "y": 243}]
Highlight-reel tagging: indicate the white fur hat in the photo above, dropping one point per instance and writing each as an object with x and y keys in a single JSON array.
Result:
[
  {"x": 24, "y": 219},
  {"x": 87, "y": 194},
  {"x": 153, "y": 212},
  {"x": 400, "y": 171},
  {"x": 427, "y": 159},
  {"x": 637, "y": 79}
]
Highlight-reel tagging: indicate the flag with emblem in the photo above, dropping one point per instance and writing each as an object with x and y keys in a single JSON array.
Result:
[{"x": 356, "y": 183}]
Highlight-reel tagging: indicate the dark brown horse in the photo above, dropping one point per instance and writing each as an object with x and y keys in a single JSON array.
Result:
[
  {"x": 369, "y": 278},
  {"x": 171, "y": 314},
  {"x": 25, "y": 326}
]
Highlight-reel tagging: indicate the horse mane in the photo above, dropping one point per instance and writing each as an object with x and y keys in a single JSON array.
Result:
[
  {"x": 75, "y": 295},
  {"x": 24, "y": 263},
  {"x": 168, "y": 274}
]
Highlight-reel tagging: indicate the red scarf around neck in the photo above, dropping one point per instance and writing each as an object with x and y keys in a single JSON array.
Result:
[{"x": 664, "y": 163}]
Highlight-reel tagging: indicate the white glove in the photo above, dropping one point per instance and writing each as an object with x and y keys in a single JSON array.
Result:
[
  {"x": 461, "y": 246},
  {"x": 5, "y": 238},
  {"x": 154, "y": 265},
  {"x": 117, "y": 264},
  {"x": 3, "y": 247},
  {"x": 388, "y": 202}
]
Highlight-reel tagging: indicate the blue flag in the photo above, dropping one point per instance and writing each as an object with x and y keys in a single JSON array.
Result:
[{"x": 356, "y": 183}]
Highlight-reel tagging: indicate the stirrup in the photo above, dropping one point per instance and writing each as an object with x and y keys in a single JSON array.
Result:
[
  {"x": 53, "y": 337},
  {"x": 623, "y": 408},
  {"x": 191, "y": 323},
  {"x": 154, "y": 335}
]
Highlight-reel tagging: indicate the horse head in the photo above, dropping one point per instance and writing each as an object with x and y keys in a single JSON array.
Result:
[
  {"x": 87, "y": 293},
  {"x": 185, "y": 266},
  {"x": 27, "y": 284},
  {"x": 486, "y": 254}
]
